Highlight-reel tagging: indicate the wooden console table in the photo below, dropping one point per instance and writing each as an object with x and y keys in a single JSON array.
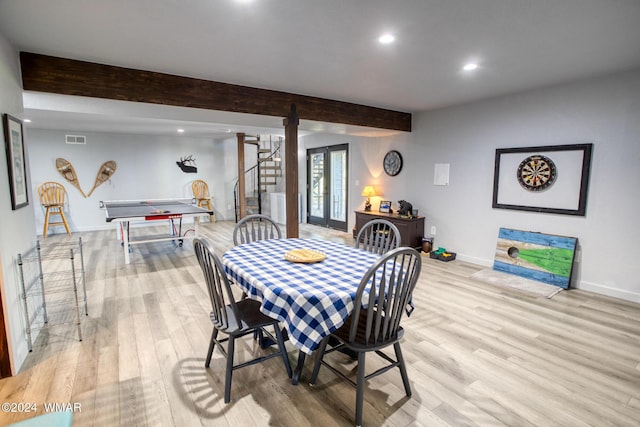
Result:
[{"x": 411, "y": 229}]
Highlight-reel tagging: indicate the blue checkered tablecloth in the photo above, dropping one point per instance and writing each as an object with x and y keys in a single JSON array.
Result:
[{"x": 312, "y": 300}]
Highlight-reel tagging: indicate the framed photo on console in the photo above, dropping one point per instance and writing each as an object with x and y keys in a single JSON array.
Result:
[
  {"x": 549, "y": 179},
  {"x": 385, "y": 206}
]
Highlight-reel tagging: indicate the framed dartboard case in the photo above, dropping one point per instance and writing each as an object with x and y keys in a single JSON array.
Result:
[{"x": 548, "y": 179}]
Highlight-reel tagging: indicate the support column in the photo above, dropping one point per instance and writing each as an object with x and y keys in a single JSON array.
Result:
[
  {"x": 242, "y": 195},
  {"x": 291, "y": 175}
]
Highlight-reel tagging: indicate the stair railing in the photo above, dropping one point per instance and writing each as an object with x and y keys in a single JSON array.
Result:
[
  {"x": 252, "y": 180},
  {"x": 252, "y": 187}
]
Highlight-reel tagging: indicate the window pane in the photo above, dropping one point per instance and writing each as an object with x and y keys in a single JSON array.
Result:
[
  {"x": 338, "y": 190},
  {"x": 317, "y": 185}
]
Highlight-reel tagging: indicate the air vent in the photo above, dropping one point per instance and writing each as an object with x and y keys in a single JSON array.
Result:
[{"x": 75, "y": 139}]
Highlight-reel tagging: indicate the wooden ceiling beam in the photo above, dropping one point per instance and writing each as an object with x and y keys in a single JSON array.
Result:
[{"x": 42, "y": 73}]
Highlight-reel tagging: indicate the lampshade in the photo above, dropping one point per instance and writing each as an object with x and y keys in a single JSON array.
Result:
[{"x": 368, "y": 191}]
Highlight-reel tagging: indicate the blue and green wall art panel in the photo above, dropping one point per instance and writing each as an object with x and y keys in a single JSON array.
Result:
[{"x": 537, "y": 256}]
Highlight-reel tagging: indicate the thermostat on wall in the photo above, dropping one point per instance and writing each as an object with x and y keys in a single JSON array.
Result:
[{"x": 441, "y": 174}]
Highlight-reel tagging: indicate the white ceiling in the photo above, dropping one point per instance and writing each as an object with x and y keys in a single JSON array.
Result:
[{"x": 322, "y": 48}]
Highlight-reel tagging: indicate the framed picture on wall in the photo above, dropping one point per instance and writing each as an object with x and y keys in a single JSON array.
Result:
[
  {"x": 549, "y": 179},
  {"x": 385, "y": 206},
  {"x": 14, "y": 143}
]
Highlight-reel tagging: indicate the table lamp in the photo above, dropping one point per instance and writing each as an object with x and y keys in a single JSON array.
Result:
[{"x": 368, "y": 192}]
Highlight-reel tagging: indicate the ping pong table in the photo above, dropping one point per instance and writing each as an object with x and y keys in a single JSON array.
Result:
[{"x": 125, "y": 212}]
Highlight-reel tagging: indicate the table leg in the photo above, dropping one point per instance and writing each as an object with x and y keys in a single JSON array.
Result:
[
  {"x": 298, "y": 370},
  {"x": 180, "y": 232},
  {"x": 125, "y": 240}
]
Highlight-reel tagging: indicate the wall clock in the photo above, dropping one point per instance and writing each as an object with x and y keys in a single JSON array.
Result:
[
  {"x": 392, "y": 163},
  {"x": 537, "y": 173}
]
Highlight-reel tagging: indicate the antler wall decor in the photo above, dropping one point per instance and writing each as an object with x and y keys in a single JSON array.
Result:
[{"x": 187, "y": 164}]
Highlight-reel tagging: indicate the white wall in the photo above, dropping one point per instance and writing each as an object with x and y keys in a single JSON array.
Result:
[
  {"x": 604, "y": 111},
  {"x": 16, "y": 228},
  {"x": 146, "y": 169}
]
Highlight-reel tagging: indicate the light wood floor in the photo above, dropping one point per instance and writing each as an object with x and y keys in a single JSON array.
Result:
[{"x": 477, "y": 355}]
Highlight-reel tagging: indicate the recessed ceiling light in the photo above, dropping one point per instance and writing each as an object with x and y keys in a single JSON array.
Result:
[
  {"x": 180, "y": 130},
  {"x": 386, "y": 38},
  {"x": 27, "y": 120},
  {"x": 470, "y": 66}
]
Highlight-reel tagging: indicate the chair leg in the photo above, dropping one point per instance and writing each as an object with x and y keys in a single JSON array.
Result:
[
  {"x": 283, "y": 350},
  {"x": 360, "y": 388},
  {"x": 319, "y": 356},
  {"x": 403, "y": 369},
  {"x": 259, "y": 336},
  {"x": 64, "y": 221},
  {"x": 199, "y": 204},
  {"x": 46, "y": 223},
  {"x": 212, "y": 345},
  {"x": 229, "y": 374},
  {"x": 212, "y": 217}
]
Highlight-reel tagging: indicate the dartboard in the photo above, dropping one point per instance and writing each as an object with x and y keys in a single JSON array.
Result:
[{"x": 537, "y": 173}]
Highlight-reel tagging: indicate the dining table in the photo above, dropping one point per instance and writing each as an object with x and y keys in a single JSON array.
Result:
[{"x": 311, "y": 299}]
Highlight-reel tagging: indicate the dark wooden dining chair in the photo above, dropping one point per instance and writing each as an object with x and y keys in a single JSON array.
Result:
[
  {"x": 255, "y": 227},
  {"x": 233, "y": 318},
  {"x": 252, "y": 228},
  {"x": 378, "y": 236},
  {"x": 384, "y": 294}
]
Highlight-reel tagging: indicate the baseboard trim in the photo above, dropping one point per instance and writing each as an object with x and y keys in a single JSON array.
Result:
[
  {"x": 582, "y": 285},
  {"x": 474, "y": 260},
  {"x": 608, "y": 291}
]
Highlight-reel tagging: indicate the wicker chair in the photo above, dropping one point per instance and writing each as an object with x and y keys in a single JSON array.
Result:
[
  {"x": 201, "y": 193},
  {"x": 52, "y": 199}
]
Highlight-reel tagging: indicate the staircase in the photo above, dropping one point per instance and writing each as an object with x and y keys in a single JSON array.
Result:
[
  {"x": 270, "y": 161},
  {"x": 262, "y": 178}
]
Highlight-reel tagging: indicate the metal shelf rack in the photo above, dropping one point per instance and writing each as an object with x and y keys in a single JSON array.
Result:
[{"x": 52, "y": 281}]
